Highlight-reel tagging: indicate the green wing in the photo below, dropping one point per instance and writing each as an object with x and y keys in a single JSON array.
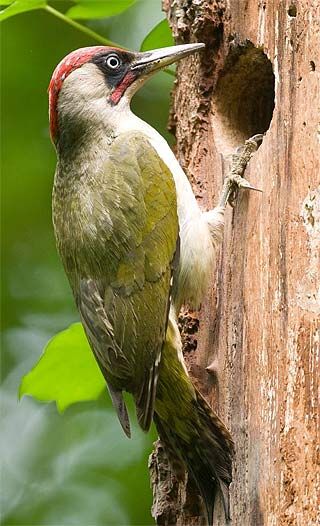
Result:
[{"x": 124, "y": 303}]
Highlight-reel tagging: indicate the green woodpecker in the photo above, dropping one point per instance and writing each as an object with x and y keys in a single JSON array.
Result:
[{"x": 135, "y": 247}]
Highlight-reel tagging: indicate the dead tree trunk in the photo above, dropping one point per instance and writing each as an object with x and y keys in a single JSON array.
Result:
[{"x": 259, "y": 327}]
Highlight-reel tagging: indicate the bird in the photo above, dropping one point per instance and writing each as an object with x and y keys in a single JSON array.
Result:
[{"x": 135, "y": 247}]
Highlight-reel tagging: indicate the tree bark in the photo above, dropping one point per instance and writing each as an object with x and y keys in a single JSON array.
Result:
[{"x": 259, "y": 326}]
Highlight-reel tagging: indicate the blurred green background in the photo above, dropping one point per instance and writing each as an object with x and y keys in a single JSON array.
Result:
[{"x": 77, "y": 468}]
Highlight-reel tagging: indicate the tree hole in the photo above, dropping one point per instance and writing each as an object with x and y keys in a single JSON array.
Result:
[
  {"x": 292, "y": 11},
  {"x": 244, "y": 97},
  {"x": 312, "y": 65}
]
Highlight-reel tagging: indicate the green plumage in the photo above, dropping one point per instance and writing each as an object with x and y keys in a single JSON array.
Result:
[
  {"x": 116, "y": 224},
  {"x": 117, "y": 233},
  {"x": 191, "y": 431}
]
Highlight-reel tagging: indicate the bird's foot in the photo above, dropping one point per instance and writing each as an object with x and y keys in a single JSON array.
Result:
[{"x": 235, "y": 179}]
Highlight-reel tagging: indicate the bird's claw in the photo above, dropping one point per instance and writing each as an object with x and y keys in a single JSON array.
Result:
[
  {"x": 235, "y": 179},
  {"x": 243, "y": 183},
  {"x": 257, "y": 139},
  {"x": 235, "y": 184}
]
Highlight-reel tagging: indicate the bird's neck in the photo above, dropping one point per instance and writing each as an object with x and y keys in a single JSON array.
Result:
[{"x": 95, "y": 126}]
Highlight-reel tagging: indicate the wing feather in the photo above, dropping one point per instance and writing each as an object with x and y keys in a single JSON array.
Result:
[{"x": 125, "y": 313}]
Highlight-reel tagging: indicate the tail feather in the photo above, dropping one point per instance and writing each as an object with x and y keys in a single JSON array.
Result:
[
  {"x": 206, "y": 450},
  {"x": 192, "y": 432},
  {"x": 214, "y": 448}
]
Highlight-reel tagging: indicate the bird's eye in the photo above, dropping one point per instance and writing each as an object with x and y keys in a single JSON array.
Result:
[{"x": 113, "y": 62}]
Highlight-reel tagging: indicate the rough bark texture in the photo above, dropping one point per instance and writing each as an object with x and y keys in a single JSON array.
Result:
[{"x": 259, "y": 327}]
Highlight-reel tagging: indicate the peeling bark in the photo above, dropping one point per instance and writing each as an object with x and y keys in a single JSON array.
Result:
[{"x": 259, "y": 327}]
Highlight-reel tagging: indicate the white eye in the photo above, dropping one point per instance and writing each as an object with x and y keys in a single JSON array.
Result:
[{"x": 113, "y": 61}]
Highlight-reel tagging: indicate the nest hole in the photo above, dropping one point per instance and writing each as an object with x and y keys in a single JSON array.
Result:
[{"x": 244, "y": 97}]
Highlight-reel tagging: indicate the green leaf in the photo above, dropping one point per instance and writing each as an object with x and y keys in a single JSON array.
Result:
[
  {"x": 66, "y": 372},
  {"x": 20, "y": 6},
  {"x": 159, "y": 36},
  {"x": 98, "y": 8}
]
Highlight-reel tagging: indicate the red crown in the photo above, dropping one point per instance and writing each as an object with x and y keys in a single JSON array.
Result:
[{"x": 74, "y": 60}]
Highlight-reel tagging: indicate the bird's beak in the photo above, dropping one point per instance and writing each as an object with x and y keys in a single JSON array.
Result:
[{"x": 151, "y": 61}]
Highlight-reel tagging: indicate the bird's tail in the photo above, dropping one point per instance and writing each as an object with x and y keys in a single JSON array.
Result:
[{"x": 190, "y": 429}]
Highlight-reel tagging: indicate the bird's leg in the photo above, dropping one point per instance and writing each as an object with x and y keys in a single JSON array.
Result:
[{"x": 235, "y": 179}]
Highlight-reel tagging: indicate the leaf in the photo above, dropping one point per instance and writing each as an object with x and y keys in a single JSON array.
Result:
[
  {"x": 98, "y": 8},
  {"x": 20, "y": 6},
  {"x": 159, "y": 36},
  {"x": 66, "y": 372}
]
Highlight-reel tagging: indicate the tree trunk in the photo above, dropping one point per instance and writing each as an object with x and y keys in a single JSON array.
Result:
[{"x": 259, "y": 326}]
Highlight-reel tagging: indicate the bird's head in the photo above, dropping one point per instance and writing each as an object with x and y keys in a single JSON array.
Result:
[{"x": 94, "y": 82}]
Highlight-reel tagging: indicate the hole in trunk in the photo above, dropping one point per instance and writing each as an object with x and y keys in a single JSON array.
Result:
[
  {"x": 292, "y": 11},
  {"x": 244, "y": 97}
]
